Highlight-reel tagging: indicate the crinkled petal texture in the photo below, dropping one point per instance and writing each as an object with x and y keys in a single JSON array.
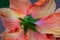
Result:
[
  {"x": 13, "y": 36},
  {"x": 38, "y": 36},
  {"x": 50, "y": 24},
  {"x": 11, "y": 24},
  {"x": 21, "y": 5},
  {"x": 46, "y": 9},
  {"x": 57, "y": 11},
  {"x": 37, "y": 11},
  {"x": 10, "y": 18}
]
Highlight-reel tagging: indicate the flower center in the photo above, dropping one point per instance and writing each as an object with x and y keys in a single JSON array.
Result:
[{"x": 28, "y": 23}]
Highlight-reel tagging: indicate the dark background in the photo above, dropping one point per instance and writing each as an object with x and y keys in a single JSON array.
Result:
[
  {"x": 4, "y": 3},
  {"x": 1, "y": 25}
]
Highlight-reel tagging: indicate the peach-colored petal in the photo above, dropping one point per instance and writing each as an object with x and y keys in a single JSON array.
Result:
[
  {"x": 20, "y": 5},
  {"x": 57, "y": 11},
  {"x": 26, "y": 37},
  {"x": 9, "y": 18},
  {"x": 40, "y": 2},
  {"x": 50, "y": 24},
  {"x": 44, "y": 10},
  {"x": 39, "y": 36},
  {"x": 13, "y": 36},
  {"x": 36, "y": 36},
  {"x": 36, "y": 11}
]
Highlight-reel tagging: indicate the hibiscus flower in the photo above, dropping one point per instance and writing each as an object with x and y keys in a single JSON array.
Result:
[{"x": 25, "y": 20}]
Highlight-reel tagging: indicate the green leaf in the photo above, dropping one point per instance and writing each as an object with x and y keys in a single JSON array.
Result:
[
  {"x": 25, "y": 29},
  {"x": 21, "y": 19},
  {"x": 33, "y": 28},
  {"x": 28, "y": 23},
  {"x": 34, "y": 20},
  {"x": 29, "y": 18}
]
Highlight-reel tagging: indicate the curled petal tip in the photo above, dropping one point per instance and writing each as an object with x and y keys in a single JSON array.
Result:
[{"x": 57, "y": 11}]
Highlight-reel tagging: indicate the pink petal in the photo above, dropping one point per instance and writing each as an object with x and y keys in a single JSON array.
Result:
[
  {"x": 36, "y": 11},
  {"x": 9, "y": 19},
  {"x": 43, "y": 10},
  {"x": 10, "y": 24},
  {"x": 20, "y": 5},
  {"x": 13, "y": 36},
  {"x": 50, "y": 24},
  {"x": 50, "y": 37},
  {"x": 36, "y": 36},
  {"x": 57, "y": 11}
]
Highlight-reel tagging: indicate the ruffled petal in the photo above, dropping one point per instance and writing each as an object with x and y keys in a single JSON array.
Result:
[
  {"x": 40, "y": 2},
  {"x": 57, "y": 11},
  {"x": 36, "y": 11},
  {"x": 46, "y": 9},
  {"x": 6, "y": 35},
  {"x": 39, "y": 36},
  {"x": 49, "y": 24},
  {"x": 50, "y": 37},
  {"x": 10, "y": 18},
  {"x": 36, "y": 36},
  {"x": 20, "y": 5}
]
